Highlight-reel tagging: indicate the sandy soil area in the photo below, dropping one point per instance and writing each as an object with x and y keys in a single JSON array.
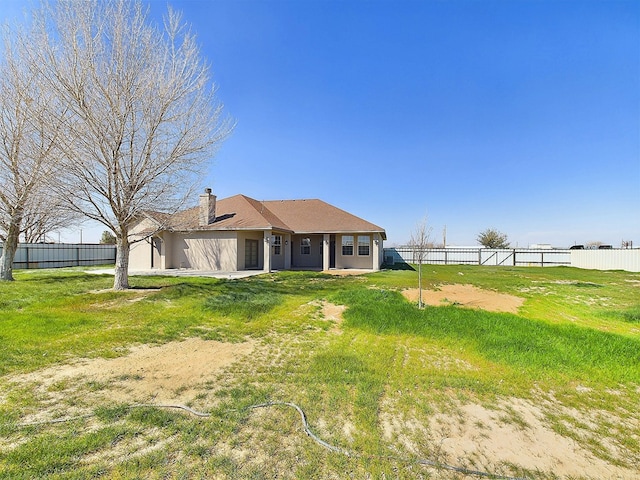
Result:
[
  {"x": 513, "y": 430},
  {"x": 467, "y": 296},
  {"x": 162, "y": 373},
  {"x": 510, "y": 432}
]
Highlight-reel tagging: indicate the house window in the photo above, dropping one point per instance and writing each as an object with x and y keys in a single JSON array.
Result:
[
  {"x": 277, "y": 244},
  {"x": 347, "y": 245},
  {"x": 305, "y": 246},
  {"x": 364, "y": 244}
]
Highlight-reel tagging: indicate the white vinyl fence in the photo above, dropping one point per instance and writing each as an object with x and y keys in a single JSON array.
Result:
[
  {"x": 613, "y": 259},
  {"x": 53, "y": 255}
]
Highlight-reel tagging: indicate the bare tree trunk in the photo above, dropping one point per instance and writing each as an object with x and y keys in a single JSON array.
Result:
[
  {"x": 420, "y": 282},
  {"x": 121, "y": 278},
  {"x": 9, "y": 248},
  {"x": 29, "y": 134}
]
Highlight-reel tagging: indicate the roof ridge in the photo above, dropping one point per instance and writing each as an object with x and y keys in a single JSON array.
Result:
[
  {"x": 265, "y": 212},
  {"x": 294, "y": 200}
]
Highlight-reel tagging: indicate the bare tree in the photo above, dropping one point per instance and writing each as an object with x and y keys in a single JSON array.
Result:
[
  {"x": 420, "y": 241},
  {"x": 48, "y": 214},
  {"x": 28, "y": 135},
  {"x": 145, "y": 121},
  {"x": 492, "y": 238}
]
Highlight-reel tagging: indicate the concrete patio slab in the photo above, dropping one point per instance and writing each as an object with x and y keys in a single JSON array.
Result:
[{"x": 182, "y": 272}]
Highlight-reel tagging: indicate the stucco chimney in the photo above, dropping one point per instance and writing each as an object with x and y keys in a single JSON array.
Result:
[{"x": 207, "y": 212}]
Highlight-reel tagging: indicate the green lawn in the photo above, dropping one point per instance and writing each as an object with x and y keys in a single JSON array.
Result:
[{"x": 372, "y": 383}]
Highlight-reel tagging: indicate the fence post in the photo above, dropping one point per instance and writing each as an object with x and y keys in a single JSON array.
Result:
[
  {"x": 26, "y": 250},
  {"x": 514, "y": 257}
]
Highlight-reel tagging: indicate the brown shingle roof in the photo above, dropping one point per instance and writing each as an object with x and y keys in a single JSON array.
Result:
[
  {"x": 316, "y": 216},
  {"x": 297, "y": 216}
]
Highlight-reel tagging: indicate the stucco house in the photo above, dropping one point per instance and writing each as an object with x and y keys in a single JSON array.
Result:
[{"x": 241, "y": 233}]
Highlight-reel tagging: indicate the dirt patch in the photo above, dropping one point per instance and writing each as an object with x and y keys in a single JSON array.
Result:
[
  {"x": 515, "y": 433},
  {"x": 467, "y": 296},
  {"x": 512, "y": 432},
  {"x": 331, "y": 311},
  {"x": 163, "y": 373},
  {"x": 344, "y": 272},
  {"x": 327, "y": 312},
  {"x": 137, "y": 291}
]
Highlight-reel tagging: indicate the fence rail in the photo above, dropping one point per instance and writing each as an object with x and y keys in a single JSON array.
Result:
[
  {"x": 611, "y": 259},
  {"x": 479, "y": 256},
  {"x": 55, "y": 255}
]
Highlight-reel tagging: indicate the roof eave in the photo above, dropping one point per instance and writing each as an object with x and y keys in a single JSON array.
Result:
[{"x": 227, "y": 229}]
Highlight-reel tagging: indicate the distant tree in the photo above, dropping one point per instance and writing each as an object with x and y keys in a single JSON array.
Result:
[
  {"x": 108, "y": 238},
  {"x": 492, "y": 238},
  {"x": 419, "y": 242},
  {"x": 143, "y": 117}
]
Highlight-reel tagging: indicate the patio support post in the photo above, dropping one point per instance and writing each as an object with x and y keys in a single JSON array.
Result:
[
  {"x": 326, "y": 241},
  {"x": 375, "y": 258},
  {"x": 267, "y": 251},
  {"x": 287, "y": 251}
]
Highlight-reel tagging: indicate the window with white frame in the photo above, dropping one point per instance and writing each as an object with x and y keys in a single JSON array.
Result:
[
  {"x": 364, "y": 245},
  {"x": 347, "y": 245},
  {"x": 305, "y": 246},
  {"x": 277, "y": 244}
]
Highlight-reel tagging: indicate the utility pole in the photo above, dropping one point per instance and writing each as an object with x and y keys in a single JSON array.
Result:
[{"x": 444, "y": 237}]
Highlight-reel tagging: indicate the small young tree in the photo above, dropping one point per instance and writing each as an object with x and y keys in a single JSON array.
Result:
[
  {"x": 419, "y": 242},
  {"x": 492, "y": 238},
  {"x": 144, "y": 121}
]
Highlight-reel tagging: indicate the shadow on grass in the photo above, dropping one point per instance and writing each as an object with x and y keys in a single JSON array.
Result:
[
  {"x": 43, "y": 278},
  {"x": 398, "y": 266},
  {"x": 255, "y": 296},
  {"x": 631, "y": 315}
]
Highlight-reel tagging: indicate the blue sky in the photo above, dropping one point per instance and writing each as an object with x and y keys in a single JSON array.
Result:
[{"x": 523, "y": 116}]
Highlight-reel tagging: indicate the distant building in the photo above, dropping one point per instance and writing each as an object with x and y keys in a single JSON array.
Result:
[{"x": 540, "y": 246}]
